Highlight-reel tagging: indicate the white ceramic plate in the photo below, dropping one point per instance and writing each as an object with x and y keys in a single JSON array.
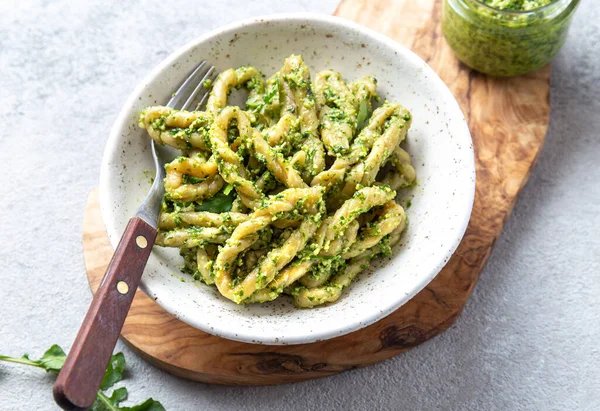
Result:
[{"x": 439, "y": 143}]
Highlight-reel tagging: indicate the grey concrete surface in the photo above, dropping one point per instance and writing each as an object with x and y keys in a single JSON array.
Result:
[{"x": 528, "y": 339}]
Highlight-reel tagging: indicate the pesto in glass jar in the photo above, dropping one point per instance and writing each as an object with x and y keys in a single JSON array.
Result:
[{"x": 506, "y": 37}]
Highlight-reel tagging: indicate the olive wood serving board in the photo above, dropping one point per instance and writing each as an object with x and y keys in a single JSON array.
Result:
[{"x": 508, "y": 119}]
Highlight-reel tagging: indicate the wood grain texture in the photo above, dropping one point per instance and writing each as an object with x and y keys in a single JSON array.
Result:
[
  {"x": 80, "y": 377},
  {"x": 508, "y": 119}
]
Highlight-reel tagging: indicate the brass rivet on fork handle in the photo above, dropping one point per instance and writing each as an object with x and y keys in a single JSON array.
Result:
[
  {"x": 141, "y": 241},
  {"x": 122, "y": 287}
]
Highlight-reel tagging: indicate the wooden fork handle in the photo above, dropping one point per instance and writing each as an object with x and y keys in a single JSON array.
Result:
[{"x": 81, "y": 375}]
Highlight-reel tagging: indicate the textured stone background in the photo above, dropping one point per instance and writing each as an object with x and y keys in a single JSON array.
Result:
[{"x": 528, "y": 338}]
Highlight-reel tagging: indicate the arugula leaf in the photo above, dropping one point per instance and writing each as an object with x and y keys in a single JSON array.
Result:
[
  {"x": 219, "y": 203},
  {"x": 148, "y": 405},
  {"x": 52, "y": 360},
  {"x": 257, "y": 103},
  {"x": 106, "y": 403},
  {"x": 114, "y": 371},
  {"x": 272, "y": 91},
  {"x": 363, "y": 113}
]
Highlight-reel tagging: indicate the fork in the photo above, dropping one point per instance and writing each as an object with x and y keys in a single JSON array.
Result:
[{"x": 81, "y": 375}]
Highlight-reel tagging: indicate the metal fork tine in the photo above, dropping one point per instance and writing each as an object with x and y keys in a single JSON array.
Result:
[
  {"x": 191, "y": 80},
  {"x": 150, "y": 208},
  {"x": 199, "y": 87},
  {"x": 212, "y": 77}
]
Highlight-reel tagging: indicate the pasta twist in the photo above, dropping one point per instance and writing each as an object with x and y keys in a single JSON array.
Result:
[
  {"x": 292, "y": 194},
  {"x": 228, "y": 80},
  {"x": 179, "y": 129},
  {"x": 306, "y": 201},
  {"x": 337, "y": 111}
]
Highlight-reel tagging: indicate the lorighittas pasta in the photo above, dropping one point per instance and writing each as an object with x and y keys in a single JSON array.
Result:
[{"x": 293, "y": 193}]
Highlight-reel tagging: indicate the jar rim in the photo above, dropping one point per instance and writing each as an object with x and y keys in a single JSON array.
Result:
[{"x": 554, "y": 5}]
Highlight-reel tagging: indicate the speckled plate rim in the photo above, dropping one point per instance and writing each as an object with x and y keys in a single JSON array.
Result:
[{"x": 355, "y": 323}]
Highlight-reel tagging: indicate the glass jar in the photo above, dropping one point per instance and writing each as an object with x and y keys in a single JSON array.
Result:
[{"x": 506, "y": 43}]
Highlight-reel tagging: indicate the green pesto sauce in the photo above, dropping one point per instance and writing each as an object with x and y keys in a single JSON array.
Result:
[
  {"x": 517, "y": 5},
  {"x": 506, "y": 37}
]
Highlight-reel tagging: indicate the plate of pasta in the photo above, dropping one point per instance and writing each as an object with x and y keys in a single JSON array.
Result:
[{"x": 326, "y": 180}]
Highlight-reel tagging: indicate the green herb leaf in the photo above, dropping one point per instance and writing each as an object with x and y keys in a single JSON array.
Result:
[
  {"x": 106, "y": 403},
  {"x": 227, "y": 189},
  {"x": 272, "y": 91},
  {"x": 148, "y": 405},
  {"x": 219, "y": 203},
  {"x": 114, "y": 371},
  {"x": 188, "y": 179},
  {"x": 52, "y": 360},
  {"x": 363, "y": 113},
  {"x": 255, "y": 103}
]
